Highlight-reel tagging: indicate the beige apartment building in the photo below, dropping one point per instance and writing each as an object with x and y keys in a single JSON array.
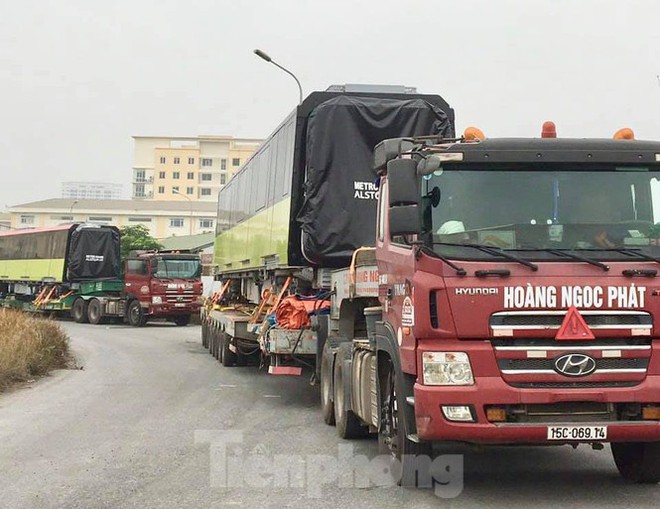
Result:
[
  {"x": 162, "y": 218},
  {"x": 193, "y": 168}
]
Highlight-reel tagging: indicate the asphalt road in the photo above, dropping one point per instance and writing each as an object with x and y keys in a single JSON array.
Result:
[{"x": 134, "y": 429}]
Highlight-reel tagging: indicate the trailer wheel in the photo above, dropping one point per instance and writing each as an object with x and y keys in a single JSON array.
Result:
[
  {"x": 182, "y": 320},
  {"x": 205, "y": 336},
  {"x": 134, "y": 314},
  {"x": 94, "y": 312},
  {"x": 228, "y": 357},
  {"x": 79, "y": 310},
  {"x": 410, "y": 461},
  {"x": 638, "y": 462},
  {"x": 348, "y": 424},
  {"x": 327, "y": 403}
]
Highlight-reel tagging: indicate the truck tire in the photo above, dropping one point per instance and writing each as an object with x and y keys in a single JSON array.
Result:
[
  {"x": 79, "y": 310},
  {"x": 205, "y": 336},
  {"x": 182, "y": 320},
  {"x": 228, "y": 357},
  {"x": 638, "y": 462},
  {"x": 134, "y": 314},
  {"x": 211, "y": 339},
  {"x": 95, "y": 311},
  {"x": 348, "y": 424},
  {"x": 327, "y": 396},
  {"x": 409, "y": 461}
]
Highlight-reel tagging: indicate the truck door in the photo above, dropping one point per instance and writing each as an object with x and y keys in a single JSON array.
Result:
[{"x": 136, "y": 278}]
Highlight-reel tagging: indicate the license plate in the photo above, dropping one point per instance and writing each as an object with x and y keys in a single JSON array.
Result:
[
  {"x": 180, "y": 305},
  {"x": 572, "y": 433}
]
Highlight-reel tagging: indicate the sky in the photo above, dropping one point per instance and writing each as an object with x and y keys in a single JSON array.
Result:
[{"x": 78, "y": 78}]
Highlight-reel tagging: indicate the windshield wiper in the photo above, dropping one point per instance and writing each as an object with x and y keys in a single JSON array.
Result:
[
  {"x": 626, "y": 251},
  {"x": 566, "y": 254},
  {"x": 424, "y": 249},
  {"x": 494, "y": 251}
]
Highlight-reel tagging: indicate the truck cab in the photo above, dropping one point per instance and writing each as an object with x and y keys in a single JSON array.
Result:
[{"x": 162, "y": 285}]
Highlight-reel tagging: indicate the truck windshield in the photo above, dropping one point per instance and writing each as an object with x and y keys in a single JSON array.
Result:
[
  {"x": 166, "y": 268},
  {"x": 598, "y": 211}
]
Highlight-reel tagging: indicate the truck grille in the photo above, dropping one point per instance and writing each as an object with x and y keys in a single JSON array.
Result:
[
  {"x": 176, "y": 297},
  {"x": 537, "y": 363},
  {"x": 543, "y": 320}
]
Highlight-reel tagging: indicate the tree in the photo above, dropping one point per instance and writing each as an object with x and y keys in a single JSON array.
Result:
[{"x": 137, "y": 237}]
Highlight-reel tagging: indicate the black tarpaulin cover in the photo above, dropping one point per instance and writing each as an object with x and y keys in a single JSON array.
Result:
[
  {"x": 94, "y": 254},
  {"x": 339, "y": 211}
]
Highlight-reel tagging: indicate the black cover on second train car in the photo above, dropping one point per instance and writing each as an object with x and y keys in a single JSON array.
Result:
[
  {"x": 94, "y": 254},
  {"x": 339, "y": 211}
]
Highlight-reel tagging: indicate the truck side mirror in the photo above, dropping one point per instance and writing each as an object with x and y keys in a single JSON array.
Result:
[
  {"x": 405, "y": 220},
  {"x": 404, "y": 197},
  {"x": 403, "y": 184},
  {"x": 388, "y": 150}
]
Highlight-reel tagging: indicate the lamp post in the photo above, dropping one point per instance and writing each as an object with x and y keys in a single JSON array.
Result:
[
  {"x": 71, "y": 207},
  {"x": 265, "y": 57},
  {"x": 191, "y": 208}
]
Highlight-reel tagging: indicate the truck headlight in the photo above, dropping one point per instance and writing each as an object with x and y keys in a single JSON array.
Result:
[
  {"x": 156, "y": 299},
  {"x": 446, "y": 368}
]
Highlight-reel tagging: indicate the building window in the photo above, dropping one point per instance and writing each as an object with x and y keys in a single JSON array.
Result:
[
  {"x": 206, "y": 223},
  {"x": 191, "y": 175},
  {"x": 189, "y": 190},
  {"x": 139, "y": 220},
  {"x": 139, "y": 191},
  {"x": 175, "y": 189},
  {"x": 206, "y": 177},
  {"x": 139, "y": 175},
  {"x": 223, "y": 179},
  {"x": 175, "y": 175},
  {"x": 223, "y": 164},
  {"x": 205, "y": 191},
  {"x": 99, "y": 219},
  {"x": 27, "y": 219},
  {"x": 176, "y": 222},
  {"x": 161, "y": 174},
  {"x": 161, "y": 189},
  {"x": 162, "y": 160},
  {"x": 191, "y": 160},
  {"x": 62, "y": 218},
  {"x": 235, "y": 161},
  {"x": 177, "y": 160},
  {"x": 207, "y": 162}
]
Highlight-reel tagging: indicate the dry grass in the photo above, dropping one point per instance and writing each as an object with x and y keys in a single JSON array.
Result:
[{"x": 29, "y": 347}]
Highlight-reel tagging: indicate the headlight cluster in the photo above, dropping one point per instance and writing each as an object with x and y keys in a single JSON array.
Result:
[
  {"x": 447, "y": 368},
  {"x": 156, "y": 299}
]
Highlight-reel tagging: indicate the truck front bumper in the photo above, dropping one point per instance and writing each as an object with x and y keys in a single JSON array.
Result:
[{"x": 493, "y": 391}]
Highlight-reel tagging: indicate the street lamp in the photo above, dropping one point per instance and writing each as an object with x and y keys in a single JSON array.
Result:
[
  {"x": 264, "y": 56},
  {"x": 191, "y": 208},
  {"x": 71, "y": 207}
]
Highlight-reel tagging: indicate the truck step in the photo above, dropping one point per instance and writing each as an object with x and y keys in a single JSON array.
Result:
[{"x": 285, "y": 370}]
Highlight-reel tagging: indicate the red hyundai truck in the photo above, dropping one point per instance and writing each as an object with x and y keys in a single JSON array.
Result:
[{"x": 511, "y": 298}]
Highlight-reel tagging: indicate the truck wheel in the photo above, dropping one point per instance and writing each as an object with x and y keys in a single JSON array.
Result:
[
  {"x": 327, "y": 403},
  {"x": 228, "y": 357},
  {"x": 79, "y": 310},
  {"x": 638, "y": 462},
  {"x": 94, "y": 312},
  {"x": 220, "y": 338},
  {"x": 348, "y": 424},
  {"x": 410, "y": 461},
  {"x": 134, "y": 314},
  {"x": 205, "y": 336},
  {"x": 182, "y": 320}
]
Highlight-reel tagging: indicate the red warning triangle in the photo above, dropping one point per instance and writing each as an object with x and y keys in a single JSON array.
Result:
[{"x": 574, "y": 328}]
